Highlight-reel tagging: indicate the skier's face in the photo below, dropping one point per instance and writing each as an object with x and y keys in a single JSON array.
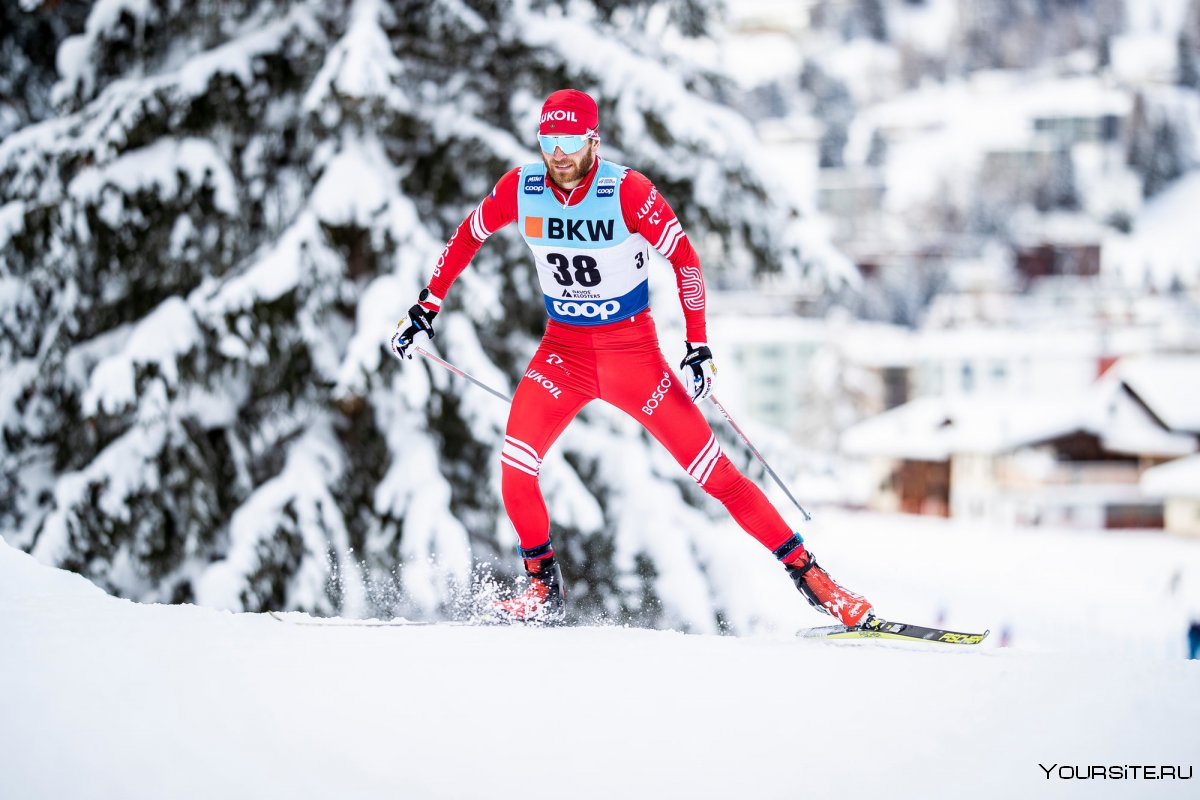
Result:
[{"x": 568, "y": 169}]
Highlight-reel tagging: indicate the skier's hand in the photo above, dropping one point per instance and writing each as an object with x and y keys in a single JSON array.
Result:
[
  {"x": 699, "y": 371},
  {"x": 419, "y": 320}
]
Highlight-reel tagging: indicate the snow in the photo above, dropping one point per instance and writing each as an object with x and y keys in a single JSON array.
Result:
[
  {"x": 164, "y": 335},
  {"x": 302, "y": 490},
  {"x": 11, "y": 220},
  {"x": 106, "y": 13},
  {"x": 237, "y": 58},
  {"x": 1160, "y": 250},
  {"x": 275, "y": 273},
  {"x": 642, "y": 524},
  {"x": 435, "y": 545},
  {"x": 122, "y": 469},
  {"x": 1144, "y": 16},
  {"x": 74, "y": 55},
  {"x": 108, "y": 698},
  {"x": 921, "y": 429},
  {"x": 156, "y": 169},
  {"x": 929, "y": 26},
  {"x": 361, "y": 64},
  {"x": 356, "y": 185},
  {"x": 1145, "y": 57},
  {"x": 1148, "y": 49},
  {"x": 757, "y": 58},
  {"x": 71, "y": 62},
  {"x": 1170, "y": 385},
  {"x": 1179, "y": 478},
  {"x": 869, "y": 69}
]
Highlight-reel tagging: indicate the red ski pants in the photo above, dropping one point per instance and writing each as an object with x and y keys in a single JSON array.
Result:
[{"x": 621, "y": 364}]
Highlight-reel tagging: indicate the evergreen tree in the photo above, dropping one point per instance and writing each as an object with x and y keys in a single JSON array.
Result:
[
  {"x": 30, "y": 32},
  {"x": 202, "y": 258},
  {"x": 834, "y": 106},
  {"x": 1189, "y": 61},
  {"x": 1156, "y": 149},
  {"x": 874, "y": 17},
  {"x": 1057, "y": 189}
]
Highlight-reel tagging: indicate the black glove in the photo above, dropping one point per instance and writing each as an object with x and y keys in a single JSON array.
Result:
[
  {"x": 703, "y": 371},
  {"x": 419, "y": 320}
]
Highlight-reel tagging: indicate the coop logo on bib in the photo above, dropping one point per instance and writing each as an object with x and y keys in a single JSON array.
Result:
[
  {"x": 606, "y": 187},
  {"x": 535, "y": 184},
  {"x": 589, "y": 310}
]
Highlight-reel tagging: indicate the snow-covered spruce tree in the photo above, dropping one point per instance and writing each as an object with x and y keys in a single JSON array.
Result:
[
  {"x": 202, "y": 258},
  {"x": 1189, "y": 48},
  {"x": 1163, "y": 135},
  {"x": 30, "y": 32}
]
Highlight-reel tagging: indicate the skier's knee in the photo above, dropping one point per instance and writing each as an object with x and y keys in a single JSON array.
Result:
[{"x": 724, "y": 480}]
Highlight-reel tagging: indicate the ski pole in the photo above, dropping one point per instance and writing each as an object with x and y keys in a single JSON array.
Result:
[
  {"x": 447, "y": 365},
  {"x": 758, "y": 455},
  {"x": 462, "y": 374}
]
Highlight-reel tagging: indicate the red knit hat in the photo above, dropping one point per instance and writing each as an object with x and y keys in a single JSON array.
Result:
[{"x": 568, "y": 112}]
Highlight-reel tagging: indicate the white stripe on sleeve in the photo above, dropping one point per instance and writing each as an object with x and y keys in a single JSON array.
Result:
[
  {"x": 672, "y": 230},
  {"x": 477, "y": 227}
]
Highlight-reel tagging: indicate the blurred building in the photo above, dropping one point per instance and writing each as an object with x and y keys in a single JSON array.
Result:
[
  {"x": 767, "y": 363},
  {"x": 1177, "y": 484},
  {"x": 1074, "y": 458}
]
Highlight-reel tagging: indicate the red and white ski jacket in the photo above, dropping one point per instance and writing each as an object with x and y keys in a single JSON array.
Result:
[{"x": 645, "y": 211}]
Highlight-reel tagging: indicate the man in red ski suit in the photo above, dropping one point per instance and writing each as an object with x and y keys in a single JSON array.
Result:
[{"x": 590, "y": 224}]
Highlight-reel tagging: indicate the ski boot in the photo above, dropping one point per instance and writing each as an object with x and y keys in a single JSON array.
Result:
[
  {"x": 822, "y": 592},
  {"x": 543, "y": 602}
]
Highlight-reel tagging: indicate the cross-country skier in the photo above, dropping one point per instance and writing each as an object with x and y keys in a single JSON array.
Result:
[{"x": 590, "y": 224}]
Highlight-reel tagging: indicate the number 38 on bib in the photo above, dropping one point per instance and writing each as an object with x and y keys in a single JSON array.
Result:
[{"x": 585, "y": 251}]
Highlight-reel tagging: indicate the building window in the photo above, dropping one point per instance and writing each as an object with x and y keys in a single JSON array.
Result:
[
  {"x": 1130, "y": 515},
  {"x": 895, "y": 386}
]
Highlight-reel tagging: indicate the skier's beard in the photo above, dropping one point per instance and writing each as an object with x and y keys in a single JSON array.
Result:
[{"x": 581, "y": 164}]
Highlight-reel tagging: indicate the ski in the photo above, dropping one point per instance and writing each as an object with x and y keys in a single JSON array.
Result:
[{"x": 876, "y": 628}]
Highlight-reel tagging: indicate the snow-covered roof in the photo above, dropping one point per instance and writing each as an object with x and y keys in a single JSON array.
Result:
[
  {"x": 1061, "y": 228},
  {"x": 934, "y": 428},
  {"x": 920, "y": 430},
  {"x": 1169, "y": 386},
  {"x": 983, "y": 341},
  {"x": 1164, "y": 245},
  {"x": 875, "y": 344},
  {"x": 1179, "y": 478}
]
